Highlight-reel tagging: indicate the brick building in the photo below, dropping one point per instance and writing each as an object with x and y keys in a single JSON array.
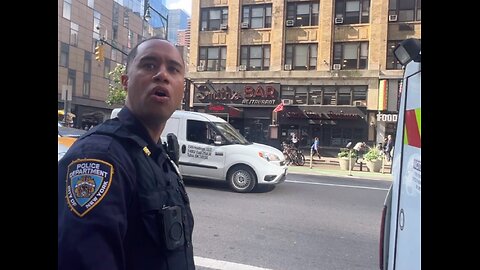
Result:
[{"x": 330, "y": 62}]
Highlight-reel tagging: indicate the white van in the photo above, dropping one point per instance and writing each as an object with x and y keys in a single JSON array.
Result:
[
  {"x": 400, "y": 234},
  {"x": 211, "y": 148}
]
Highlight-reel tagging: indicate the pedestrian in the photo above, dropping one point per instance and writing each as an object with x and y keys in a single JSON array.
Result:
[
  {"x": 388, "y": 148},
  {"x": 315, "y": 148},
  {"x": 121, "y": 201},
  {"x": 359, "y": 149},
  {"x": 295, "y": 140}
]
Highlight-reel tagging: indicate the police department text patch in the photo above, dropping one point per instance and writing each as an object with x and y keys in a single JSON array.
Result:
[{"x": 88, "y": 180}]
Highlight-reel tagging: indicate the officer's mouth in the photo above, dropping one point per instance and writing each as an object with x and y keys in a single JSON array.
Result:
[{"x": 160, "y": 94}]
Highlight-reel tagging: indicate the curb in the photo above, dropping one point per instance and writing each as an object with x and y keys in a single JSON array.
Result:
[{"x": 338, "y": 173}]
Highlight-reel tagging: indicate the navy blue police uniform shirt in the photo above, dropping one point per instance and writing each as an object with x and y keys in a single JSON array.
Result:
[{"x": 99, "y": 221}]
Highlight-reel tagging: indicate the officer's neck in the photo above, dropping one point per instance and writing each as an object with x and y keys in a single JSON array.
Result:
[{"x": 154, "y": 131}]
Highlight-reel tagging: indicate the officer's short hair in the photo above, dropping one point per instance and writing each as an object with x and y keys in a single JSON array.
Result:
[{"x": 133, "y": 52}]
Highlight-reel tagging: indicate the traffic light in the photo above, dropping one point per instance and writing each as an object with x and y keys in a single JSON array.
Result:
[{"x": 99, "y": 52}]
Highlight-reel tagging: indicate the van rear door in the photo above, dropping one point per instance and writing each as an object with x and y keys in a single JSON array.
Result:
[{"x": 407, "y": 247}]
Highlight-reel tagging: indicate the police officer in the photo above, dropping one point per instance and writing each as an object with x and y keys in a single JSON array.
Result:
[{"x": 121, "y": 201}]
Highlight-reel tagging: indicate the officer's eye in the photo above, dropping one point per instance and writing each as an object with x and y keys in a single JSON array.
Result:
[
  {"x": 149, "y": 66},
  {"x": 173, "y": 69}
]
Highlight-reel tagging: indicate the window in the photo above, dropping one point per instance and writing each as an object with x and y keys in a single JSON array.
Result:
[
  {"x": 96, "y": 24},
  {"x": 258, "y": 16},
  {"x": 255, "y": 57},
  {"x": 301, "y": 95},
  {"x": 315, "y": 97},
  {"x": 301, "y": 56},
  {"x": 297, "y": 93},
  {"x": 353, "y": 11},
  {"x": 67, "y": 9},
  {"x": 351, "y": 55},
  {"x": 106, "y": 67},
  {"x": 288, "y": 92},
  {"x": 129, "y": 39},
  {"x": 198, "y": 131},
  {"x": 303, "y": 13},
  {"x": 87, "y": 62},
  {"x": 329, "y": 95},
  {"x": 212, "y": 18},
  {"x": 115, "y": 14},
  {"x": 392, "y": 62},
  {"x": 64, "y": 52},
  {"x": 90, "y": 3},
  {"x": 96, "y": 21},
  {"x": 115, "y": 32},
  {"x": 406, "y": 10},
  {"x": 126, "y": 18},
  {"x": 360, "y": 95},
  {"x": 344, "y": 95},
  {"x": 73, "y": 34},
  {"x": 86, "y": 85},
  {"x": 213, "y": 58},
  {"x": 71, "y": 79},
  {"x": 325, "y": 95}
]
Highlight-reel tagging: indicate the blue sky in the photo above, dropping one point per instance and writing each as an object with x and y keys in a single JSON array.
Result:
[{"x": 180, "y": 4}]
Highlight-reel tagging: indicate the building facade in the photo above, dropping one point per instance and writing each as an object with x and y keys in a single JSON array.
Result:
[
  {"x": 177, "y": 20},
  {"x": 330, "y": 62},
  {"x": 82, "y": 25}
]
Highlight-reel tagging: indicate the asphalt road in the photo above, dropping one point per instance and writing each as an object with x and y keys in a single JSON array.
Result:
[{"x": 308, "y": 222}]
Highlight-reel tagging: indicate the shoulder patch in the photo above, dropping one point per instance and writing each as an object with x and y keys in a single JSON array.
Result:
[{"x": 88, "y": 180}]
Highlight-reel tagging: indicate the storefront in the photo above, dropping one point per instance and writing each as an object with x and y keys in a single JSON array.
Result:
[
  {"x": 386, "y": 124},
  {"x": 249, "y": 108},
  {"x": 335, "y": 126}
]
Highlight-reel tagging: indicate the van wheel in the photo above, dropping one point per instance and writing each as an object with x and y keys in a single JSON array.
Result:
[{"x": 241, "y": 179}]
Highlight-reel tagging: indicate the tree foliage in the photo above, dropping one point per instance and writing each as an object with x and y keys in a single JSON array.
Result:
[{"x": 116, "y": 93}]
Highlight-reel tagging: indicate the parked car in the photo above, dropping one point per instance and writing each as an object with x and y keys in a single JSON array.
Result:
[
  {"x": 70, "y": 132},
  {"x": 66, "y": 137}
]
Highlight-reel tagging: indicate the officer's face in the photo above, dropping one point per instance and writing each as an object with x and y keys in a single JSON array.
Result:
[{"x": 154, "y": 81}]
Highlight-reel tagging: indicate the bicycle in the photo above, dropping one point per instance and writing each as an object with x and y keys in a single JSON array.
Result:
[{"x": 293, "y": 155}]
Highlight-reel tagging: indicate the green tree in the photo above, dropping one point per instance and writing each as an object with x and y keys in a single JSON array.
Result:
[{"x": 116, "y": 93}]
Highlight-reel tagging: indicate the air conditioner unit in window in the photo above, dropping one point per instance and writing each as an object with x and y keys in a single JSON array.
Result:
[
  {"x": 244, "y": 25},
  {"x": 289, "y": 23},
  {"x": 337, "y": 66},
  {"x": 338, "y": 20},
  {"x": 392, "y": 18},
  {"x": 287, "y": 67},
  {"x": 200, "y": 68},
  {"x": 286, "y": 101},
  {"x": 223, "y": 26},
  {"x": 242, "y": 67}
]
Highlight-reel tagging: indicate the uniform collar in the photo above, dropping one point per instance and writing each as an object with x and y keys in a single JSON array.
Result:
[{"x": 136, "y": 127}]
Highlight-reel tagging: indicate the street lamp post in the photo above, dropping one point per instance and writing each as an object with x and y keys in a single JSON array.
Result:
[{"x": 164, "y": 19}]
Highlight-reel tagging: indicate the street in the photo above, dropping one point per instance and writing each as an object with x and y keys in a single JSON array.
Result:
[{"x": 308, "y": 222}]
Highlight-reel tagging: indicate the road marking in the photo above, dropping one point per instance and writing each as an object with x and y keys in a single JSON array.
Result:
[
  {"x": 335, "y": 185},
  {"x": 223, "y": 265}
]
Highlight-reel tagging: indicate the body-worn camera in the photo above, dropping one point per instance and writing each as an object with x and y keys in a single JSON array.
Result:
[{"x": 170, "y": 219}]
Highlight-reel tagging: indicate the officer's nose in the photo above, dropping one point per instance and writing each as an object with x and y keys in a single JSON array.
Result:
[{"x": 161, "y": 75}]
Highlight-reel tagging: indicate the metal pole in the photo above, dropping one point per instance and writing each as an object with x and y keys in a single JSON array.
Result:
[
  {"x": 164, "y": 19},
  {"x": 311, "y": 158},
  {"x": 350, "y": 162},
  {"x": 65, "y": 111}
]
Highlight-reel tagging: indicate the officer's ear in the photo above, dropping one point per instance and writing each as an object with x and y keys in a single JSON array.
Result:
[{"x": 124, "y": 79}]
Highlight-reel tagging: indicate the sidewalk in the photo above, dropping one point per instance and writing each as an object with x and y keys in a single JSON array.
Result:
[{"x": 329, "y": 166}]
